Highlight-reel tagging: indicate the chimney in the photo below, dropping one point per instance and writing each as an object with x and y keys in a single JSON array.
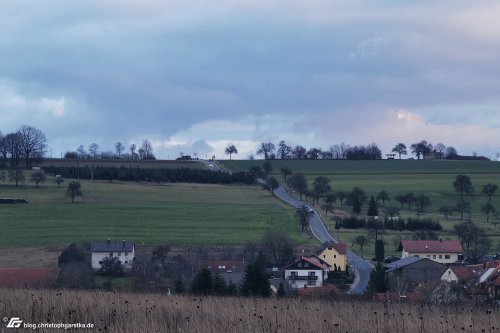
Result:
[
  {"x": 123, "y": 243},
  {"x": 109, "y": 241}
]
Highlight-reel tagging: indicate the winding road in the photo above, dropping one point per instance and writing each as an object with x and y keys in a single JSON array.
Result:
[{"x": 361, "y": 266}]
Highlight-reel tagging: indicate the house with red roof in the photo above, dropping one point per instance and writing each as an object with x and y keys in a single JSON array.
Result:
[
  {"x": 462, "y": 274},
  {"x": 308, "y": 272},
  {"x": 442, "y": 251},
  {"x": 334, "y": 254}
]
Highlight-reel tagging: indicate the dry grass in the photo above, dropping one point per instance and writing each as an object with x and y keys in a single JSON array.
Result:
[
  {"x": 122, "y": 312},
  {"x": 30, "y": 257}
]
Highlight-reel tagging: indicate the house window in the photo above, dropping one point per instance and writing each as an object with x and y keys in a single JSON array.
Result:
[
  {"x": 433, "y": 256},
  {"x": 324, "y": 256},
  {"x": 119, "y": 254},
  {"x": 100, "y": 262},
  {"x": 311, "y": 283},
  {"x": 126, "y": 261},
  {"x": 126, "y": 254},
  {"x": 334, "y": 256},
  {"x": 428, "y": 256},
  {"x": 440, "y": 256},
  {"x": 293, "y": 273},
  {"x": 416, "y": 256},
  {"x": 447, "y": 256},
  {"x": 312, "y": 273},
  {"x": 110, "y": 254}
]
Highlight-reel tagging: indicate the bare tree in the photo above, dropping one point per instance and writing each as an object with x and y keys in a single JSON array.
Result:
[
  {"x": 16, "y": 175},
  {"x": 284, "y": 150},
  {"x": 120, "y": 148},
  {"x": 14, "y": 149},
  {"x": 146, "y": 150},
  {"x": 81, "y": 152},
  {"x": 33, "y": 143},
  {"x": 94, "y": 149},
  {"x": 266, "y": 149},
  {"x": 400, "y": 148},
  {"x": 440, "y": 150},
  {"x": 37, "y": 177},
  {"x": 74, "y": 190}
]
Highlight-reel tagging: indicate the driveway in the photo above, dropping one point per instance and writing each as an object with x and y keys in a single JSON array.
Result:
[{"x": 362, "y": 267}]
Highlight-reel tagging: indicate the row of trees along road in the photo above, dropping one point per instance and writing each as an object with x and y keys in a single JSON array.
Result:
[
  {"x": 28, "y": 144},
  {"x": 343, "y": 151}
]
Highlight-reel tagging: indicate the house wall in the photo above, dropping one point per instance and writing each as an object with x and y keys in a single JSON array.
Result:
[
  {"x": 126, "y": 260},
  {"x": 305, "y": 272},
  {"x": 437, "y": 257},
  {"x": 332, "y": 257},
  {"x": 449, "y": 276}
]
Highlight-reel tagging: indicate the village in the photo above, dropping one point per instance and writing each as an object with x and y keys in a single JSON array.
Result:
[{"x": 427, "y": 271}]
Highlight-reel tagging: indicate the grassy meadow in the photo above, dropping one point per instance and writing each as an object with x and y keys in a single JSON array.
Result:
[
  {"x": 143, "y": 212},
  {"x": 124, "y": 312},
  {"x": 431, "y": 178}
]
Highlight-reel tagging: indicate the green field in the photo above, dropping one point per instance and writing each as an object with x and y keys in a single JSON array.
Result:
[
  {"x": 149, "y": 213},
  {"x": 431, "y": 178}
]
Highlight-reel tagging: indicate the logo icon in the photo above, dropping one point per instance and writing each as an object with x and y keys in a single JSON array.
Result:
[{"x": 14, "y": 322}]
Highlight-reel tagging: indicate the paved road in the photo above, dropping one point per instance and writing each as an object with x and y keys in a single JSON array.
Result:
[{"x": 362, "y": 267}]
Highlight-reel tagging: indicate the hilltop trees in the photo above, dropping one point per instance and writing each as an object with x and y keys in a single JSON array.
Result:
[
  {"x": 230, "y": 150},
  {"x": 266, "y": 149},
  {"x": 421, "y": 149},
  {"x": 400, "y": 149}
]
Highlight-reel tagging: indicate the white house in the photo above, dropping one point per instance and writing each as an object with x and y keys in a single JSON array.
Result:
[
  {"x": 307, "y": 272},
  {"x": 123, "y": 250},
  {"x": 442, "y": 251}
]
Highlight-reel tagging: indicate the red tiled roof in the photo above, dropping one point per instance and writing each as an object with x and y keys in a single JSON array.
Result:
[
  {"x": 27, "y": 277},
  {"x": 340, "y": 247},
  {"x": 427, "y": 246},
  {"x": 315, "y": 262},
  {"x": 467, "y": 273}
]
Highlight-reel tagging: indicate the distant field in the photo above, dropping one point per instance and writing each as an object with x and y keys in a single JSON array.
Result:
[
  {"x": 170, "y": 213},
  {"x": 432, "y": 178}
]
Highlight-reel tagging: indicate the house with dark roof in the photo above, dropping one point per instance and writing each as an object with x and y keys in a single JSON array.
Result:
[
  {"x": 334, "y": 254},
  {"x": 442, "y": 251},
  {"x": 307, "y": 272},
  {"x": 123, "y": 250},
  {"x": 412, "y": 271}
]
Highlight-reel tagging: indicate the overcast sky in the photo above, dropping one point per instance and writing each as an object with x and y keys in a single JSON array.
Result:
[{"x": 195, "y": 75}]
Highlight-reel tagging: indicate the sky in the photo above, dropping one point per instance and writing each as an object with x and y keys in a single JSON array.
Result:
[{"x": 193, "y": 76}]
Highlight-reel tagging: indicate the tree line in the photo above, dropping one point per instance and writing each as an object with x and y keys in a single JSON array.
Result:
[
  {"x": 27, "y": 146},
  {"x": 122, "y": 173},
  {"x": 132, "y": 152},
  {"x": 343, "y": 151}
]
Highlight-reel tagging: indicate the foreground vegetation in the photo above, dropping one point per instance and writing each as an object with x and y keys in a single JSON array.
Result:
[
  {"x": 123, "y": 312},
  {"x": 143, "y": 212}
]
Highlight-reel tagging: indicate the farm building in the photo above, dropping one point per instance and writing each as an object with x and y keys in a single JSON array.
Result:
[
  {"x": 412, "y": 271},
  {"x": 442, "y": 251},
  {"x": 123, "y": 250}
]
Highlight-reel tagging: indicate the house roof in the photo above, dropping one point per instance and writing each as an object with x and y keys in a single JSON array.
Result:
[
  {"x": 467, "y": 273},
  {"x": 316, "y": 262},
  {"x": 341, "y": 248},
  {"x": 112, "y": 246},
  {"x": 431, "y": 246},
  {"x": 402, "y": 263},
  {"x": 28, "y": 277}
]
